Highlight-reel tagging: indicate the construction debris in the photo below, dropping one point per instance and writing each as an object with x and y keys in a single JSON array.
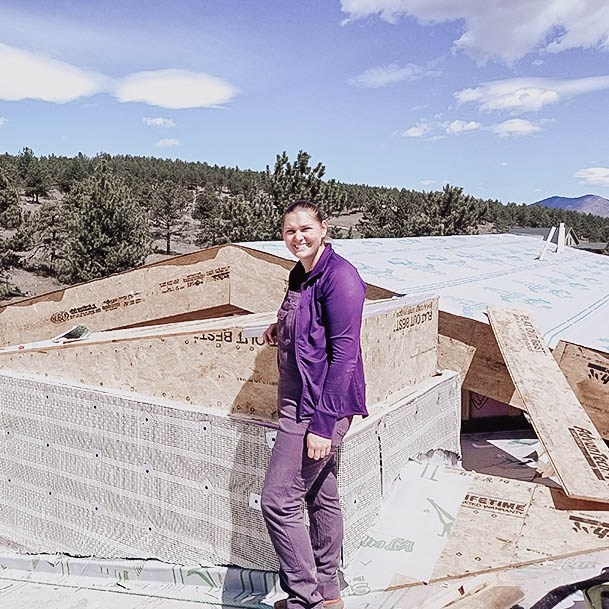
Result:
[{"x": 574, "y": 446}]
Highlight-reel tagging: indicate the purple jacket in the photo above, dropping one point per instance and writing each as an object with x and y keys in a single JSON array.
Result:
[{"x": 327, "y": 330}]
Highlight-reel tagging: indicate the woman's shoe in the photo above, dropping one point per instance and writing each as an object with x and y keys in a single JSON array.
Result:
[{"x": 333, "y": 604}]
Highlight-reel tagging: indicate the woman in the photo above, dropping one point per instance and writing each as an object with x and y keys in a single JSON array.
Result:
[{"x": 321, "y": 387}]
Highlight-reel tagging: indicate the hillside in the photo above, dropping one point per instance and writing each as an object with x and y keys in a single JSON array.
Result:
[{"x": 587, "y": 204}]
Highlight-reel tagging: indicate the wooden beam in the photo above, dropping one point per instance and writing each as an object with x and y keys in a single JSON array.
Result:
[{"x": 574, "y": 446}]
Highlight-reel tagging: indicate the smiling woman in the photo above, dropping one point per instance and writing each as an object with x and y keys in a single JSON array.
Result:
[
  {"x": 321, "y": 388},
  {"x": 304, "y": 231}
]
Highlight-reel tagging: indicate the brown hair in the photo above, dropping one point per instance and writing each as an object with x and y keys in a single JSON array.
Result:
[{"x": 306, "y": 206}]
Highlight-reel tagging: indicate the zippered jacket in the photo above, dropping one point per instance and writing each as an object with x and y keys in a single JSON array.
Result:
[{"x": 327, "y": 341}]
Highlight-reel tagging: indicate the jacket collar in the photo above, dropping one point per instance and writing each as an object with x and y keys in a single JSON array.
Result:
[{"x": 318, "y": 269}]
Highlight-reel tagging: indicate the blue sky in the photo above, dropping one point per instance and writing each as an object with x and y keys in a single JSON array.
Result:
[{"x": 507, "y": 99}]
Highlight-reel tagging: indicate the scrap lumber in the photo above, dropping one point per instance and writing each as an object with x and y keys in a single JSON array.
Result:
[
  {"x": 225, "y": 363},
  {"x": 490, "y": 597},
  {"x": 574, "y": 446},
  {"x": 493, "y": 590},
  {"x": 587, "y": 371}
]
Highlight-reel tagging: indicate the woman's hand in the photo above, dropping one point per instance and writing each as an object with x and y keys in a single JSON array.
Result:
[
  {"x": 318, "y": 447},
  {"x": 270, "y": 335}
]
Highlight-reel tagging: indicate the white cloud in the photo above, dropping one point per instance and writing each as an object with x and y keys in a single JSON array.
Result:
[
  {"x": 3, "y": 121},
  {"x": 159, "y": 121},
  {"x": 528, "y": 94},
  {"x": 428, "y": 182},
  {"x": 459, "y": 126},
  {"x": 419, "y": 130},
  {"x": 496, "y": 28},
  {"x": 515, "y": 127},
  {"x": 168, "y": 142},
  {"x": 25, "y": 75},
  {"x": 504, "y": 164},
  {"x": 175, "y": 89},
  {"x": 593, "y": 176},
  {"x": 382, "y": 76}
]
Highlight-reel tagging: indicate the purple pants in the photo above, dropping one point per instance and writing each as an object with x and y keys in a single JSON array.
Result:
[{"x": 308, "y": 560}]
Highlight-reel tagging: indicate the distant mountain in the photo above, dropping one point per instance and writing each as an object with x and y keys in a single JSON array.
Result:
[{"x": 588, "y": 204}]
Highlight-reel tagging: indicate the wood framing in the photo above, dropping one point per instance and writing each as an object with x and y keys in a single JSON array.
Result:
[
  {"x": 177, "y": 289},
  {"x": 225, "y": 364},
  {"x": 470, "y": 347},
  {"x": 573, "y": 444},
  {"x": 587, "y": 372},
  {"x": 222, "y": 280}
]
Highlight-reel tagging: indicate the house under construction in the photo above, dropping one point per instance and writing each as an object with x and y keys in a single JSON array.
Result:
[{"x": 138, "y": 413}]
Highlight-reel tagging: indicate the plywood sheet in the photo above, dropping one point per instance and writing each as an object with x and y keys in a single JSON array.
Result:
[
  {"x": 470, "y": 347},
  {"x": 587, "y": 372},
  {"x": 489, "y": 523},
  {"x": 505, "y": 523},
  {"x": 224, "y": 363},
  {"x": 399, "y": 348},
  {"x": 574, "y": 446},
  {"x": 182, "y": 286}
]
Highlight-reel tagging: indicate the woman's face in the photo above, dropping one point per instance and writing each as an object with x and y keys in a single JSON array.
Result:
[{"x": 303, "y": 234}]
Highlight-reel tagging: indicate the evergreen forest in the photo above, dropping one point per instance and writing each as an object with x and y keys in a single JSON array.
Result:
[{"x": 81, "y": 218}]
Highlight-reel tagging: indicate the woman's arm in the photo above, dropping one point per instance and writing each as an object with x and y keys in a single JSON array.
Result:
[{"x": 342, "y": 302}]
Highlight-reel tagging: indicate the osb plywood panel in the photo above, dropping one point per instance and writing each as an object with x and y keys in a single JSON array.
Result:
[
  {"x": 179, "y": 286},
  {"x": 217, "y": 367},
  {"x": 399, "y": 348},
  {"x": 470, "y": 347},
  {"x": 489, "y": 523},
  {"x": 506, "y": 523},
  {"x": 587, "y": 372},
  {"x": 261, "y": 286},
  {"x": 575, "y": 448},
  {"x": 554, "y": 532},
  {"x": 225, "y": 363}
]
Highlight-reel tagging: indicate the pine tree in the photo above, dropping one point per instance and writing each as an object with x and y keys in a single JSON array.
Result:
[
  {"x": 450, "y": 212},
  {"x": 410, "y": 213},
  {"x": 44, "y": 234},
  {"x": 72, "y": 171},
  {"x": 206, "y": 205},
  {"x": 25, "y": 158},
  {"x": 107, "y": 230},
  {"x": 10, "y": 213},
  {"x": 236, "y": 220},
  {"x": 298, "y": 180},
  {"x": 36, "y": 181},
  {"x": 393, "y": 213},
  {"x": 169, "y": 203}
]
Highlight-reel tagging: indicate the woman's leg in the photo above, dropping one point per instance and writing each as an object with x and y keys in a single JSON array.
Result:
[
  {"x": 326, "y": 521},
  {"x": 289, "y": 477}
]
